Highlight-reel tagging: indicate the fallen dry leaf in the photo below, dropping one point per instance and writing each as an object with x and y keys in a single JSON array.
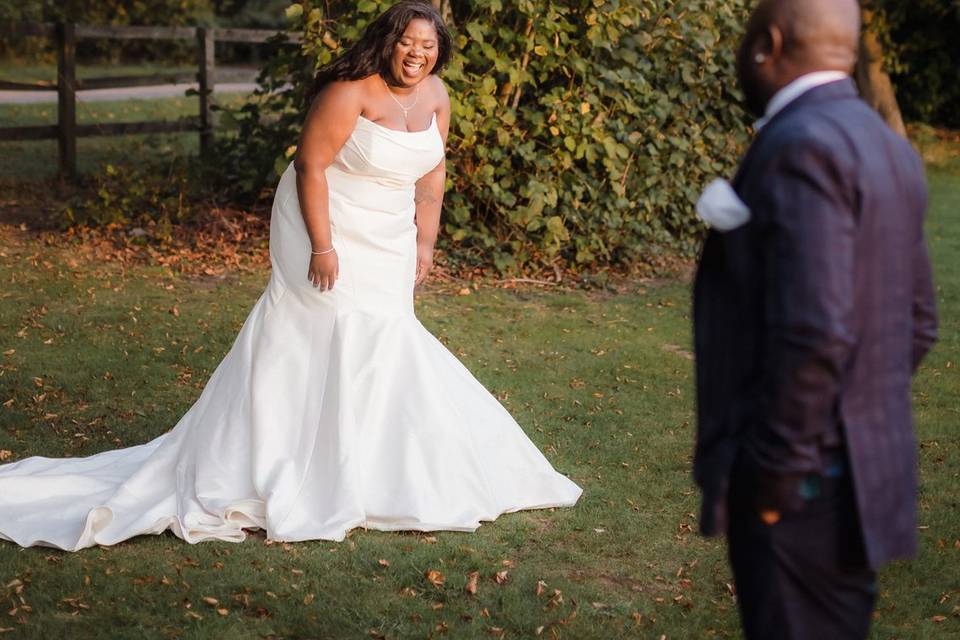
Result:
[
  {"x": 501, "y": 576},
  {"x": 472, "y": 578},
  {"x": 435, "y": 578},
  {"x": 210, "y": 601},
  {"x": 307, "y": 599},
  {"x": 555, "y": 600},
  {"x": 383, "y": 563},
  {"x": 5, "y": 454},
  {"x": 541, "y": 585}
]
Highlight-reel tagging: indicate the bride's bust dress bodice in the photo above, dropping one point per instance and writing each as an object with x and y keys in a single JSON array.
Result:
[{"x": 372, "y": 184}]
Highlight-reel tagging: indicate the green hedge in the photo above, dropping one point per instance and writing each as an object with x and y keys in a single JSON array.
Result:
[
  {"x": 582, "y": 131},
  {"x": 105, "y": 12},
  {"x": 923, "y": 53}
]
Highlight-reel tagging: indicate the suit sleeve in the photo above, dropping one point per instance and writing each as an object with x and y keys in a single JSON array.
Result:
[
  {"x": 808, "y": 221},
  {"x": 924, "y": 301}
]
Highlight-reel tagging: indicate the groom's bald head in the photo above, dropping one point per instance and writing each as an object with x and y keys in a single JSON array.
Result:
[
  {"x": 825, "y": 33},
  {"x": 786, "y": 39}
]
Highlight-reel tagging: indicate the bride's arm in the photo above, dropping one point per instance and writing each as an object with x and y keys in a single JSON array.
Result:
[
  {"x": 329, "y": 123},
  {"x": 429, "y": 197}
]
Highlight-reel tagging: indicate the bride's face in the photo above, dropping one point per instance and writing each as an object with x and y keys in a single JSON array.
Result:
[{"x": 415, "y": 54}]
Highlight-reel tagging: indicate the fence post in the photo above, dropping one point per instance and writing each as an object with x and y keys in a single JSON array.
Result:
[
  {"x": 206, "y": 63},
  {"x": 67, "y": 98}
]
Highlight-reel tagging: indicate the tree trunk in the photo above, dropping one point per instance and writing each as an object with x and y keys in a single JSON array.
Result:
[
  {"x": 443, "y": 6},
  {"x": 875, "y": 85}
]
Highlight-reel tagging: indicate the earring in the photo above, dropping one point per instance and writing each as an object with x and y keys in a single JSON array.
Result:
[{"x": 760, "y": 58}]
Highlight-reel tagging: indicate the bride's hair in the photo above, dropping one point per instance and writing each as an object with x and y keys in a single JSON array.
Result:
[{"x": 372, "y": 52}]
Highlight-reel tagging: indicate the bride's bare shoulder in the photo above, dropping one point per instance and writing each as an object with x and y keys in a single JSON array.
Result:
[
  {"x": 340, "y": 89},
  {"x": 438, "y": 92},
  {"x": 438, "y": 87},
  {"x": 341, "y": 96}
]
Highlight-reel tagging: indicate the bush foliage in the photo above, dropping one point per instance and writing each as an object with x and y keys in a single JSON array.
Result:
[
  {"x": 104, "y": 12},
  {"x": 922, "y": 53},
  {"x": 582, "y": 130},
  {"x": 134, "y": 196}
]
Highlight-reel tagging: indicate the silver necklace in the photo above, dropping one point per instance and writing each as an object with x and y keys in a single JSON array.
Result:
[{"x": 405, "y": 110}]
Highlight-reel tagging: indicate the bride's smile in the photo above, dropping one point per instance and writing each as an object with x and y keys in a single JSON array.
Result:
[{"x": 415, "y": 54}]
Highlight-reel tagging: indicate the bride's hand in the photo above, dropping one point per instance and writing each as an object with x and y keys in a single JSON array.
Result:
[
  {"x": 424, "y": 263},
  {"x": 324, "y": 270}
]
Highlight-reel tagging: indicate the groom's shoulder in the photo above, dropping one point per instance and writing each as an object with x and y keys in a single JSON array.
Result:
[
  {"x": 838, "y": 129},
  {"x": 801, "y": 138},
  {"x": 818, "y": 122},
  {"x": 846, "y": 128}
]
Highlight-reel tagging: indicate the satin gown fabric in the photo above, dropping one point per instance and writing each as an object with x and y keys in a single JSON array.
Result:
[{"x": 331, "y": 410}]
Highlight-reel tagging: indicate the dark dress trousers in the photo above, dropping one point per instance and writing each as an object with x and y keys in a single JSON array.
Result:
[{"x": 809, "y": 322}]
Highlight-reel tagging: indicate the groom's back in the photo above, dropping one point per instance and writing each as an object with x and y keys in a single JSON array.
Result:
[
  {"x": 888, "y": 198},
  {"x": 891, "y": 320}
]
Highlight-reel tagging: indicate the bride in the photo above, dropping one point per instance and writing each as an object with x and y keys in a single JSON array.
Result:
[{"x": 335, "y": 408}]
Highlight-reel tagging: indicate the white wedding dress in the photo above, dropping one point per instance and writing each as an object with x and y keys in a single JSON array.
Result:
[{"x": 331, "y": 411}]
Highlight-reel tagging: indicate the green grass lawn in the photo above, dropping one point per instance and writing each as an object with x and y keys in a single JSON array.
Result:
[
  {"x": 91, "y": 358},
  {"x": 19, "y": 71},
  {"x": 37, "y": 160}
]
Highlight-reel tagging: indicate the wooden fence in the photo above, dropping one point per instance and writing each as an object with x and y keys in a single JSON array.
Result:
[{"x": 66, "y": 35}]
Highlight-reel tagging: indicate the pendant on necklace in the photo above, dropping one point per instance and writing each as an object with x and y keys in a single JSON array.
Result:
[{"x": 405, "y": 110}]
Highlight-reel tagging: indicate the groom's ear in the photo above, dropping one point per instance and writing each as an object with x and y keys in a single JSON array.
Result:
[
  {"x": 768, "y": 46},
  {"x": 774, "y": 41}
]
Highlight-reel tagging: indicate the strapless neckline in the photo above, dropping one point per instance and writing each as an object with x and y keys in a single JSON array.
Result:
[{"x": 433, "y": 122}]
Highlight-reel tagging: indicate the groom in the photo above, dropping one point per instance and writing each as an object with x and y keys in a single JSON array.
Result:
[{"x": 813, "y": 307}]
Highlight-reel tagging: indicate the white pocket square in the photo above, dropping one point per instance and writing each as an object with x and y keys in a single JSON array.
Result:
[{"x": 721, "y": 207}]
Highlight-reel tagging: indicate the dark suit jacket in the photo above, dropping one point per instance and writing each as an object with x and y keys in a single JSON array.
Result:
[{"x": 810, "y": 320}]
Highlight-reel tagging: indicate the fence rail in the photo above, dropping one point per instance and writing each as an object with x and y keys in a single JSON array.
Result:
[
  {"x": 39, "y": 85},
  {"x": 65, "y": 37}
]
